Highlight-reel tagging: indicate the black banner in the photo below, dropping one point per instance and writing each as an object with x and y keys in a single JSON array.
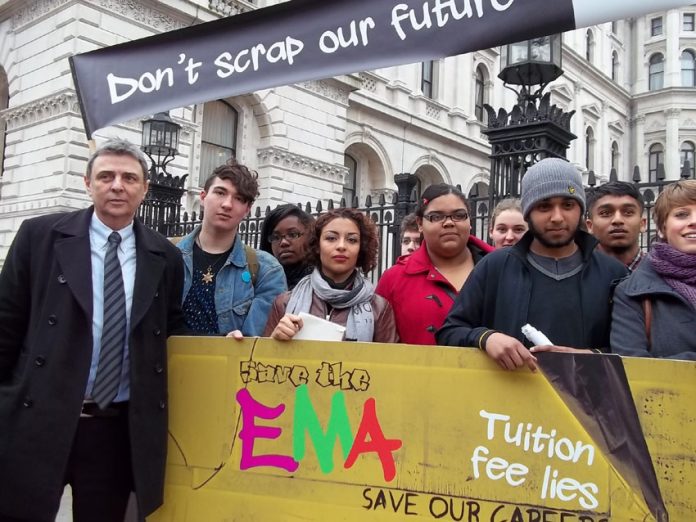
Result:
[
  {"x": 292, "y": 42},
  {"x": 305, "y": 40}
]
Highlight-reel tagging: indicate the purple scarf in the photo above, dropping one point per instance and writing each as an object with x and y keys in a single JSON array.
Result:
[{"x": 677, "y": 268}]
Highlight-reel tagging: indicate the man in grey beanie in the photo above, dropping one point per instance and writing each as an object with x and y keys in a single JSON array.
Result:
[{"x": 553, "y": 279}]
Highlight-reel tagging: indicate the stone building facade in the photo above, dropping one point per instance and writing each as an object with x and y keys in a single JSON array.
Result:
[{"x": 631, "y": 83}]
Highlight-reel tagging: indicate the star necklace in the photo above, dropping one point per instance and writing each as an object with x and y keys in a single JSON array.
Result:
[{"x": 209, "y": 275}]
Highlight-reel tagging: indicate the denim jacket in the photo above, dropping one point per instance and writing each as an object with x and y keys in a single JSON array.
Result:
[{"x": 239, "y": 304}]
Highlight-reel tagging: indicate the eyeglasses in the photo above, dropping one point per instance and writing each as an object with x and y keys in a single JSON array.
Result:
[
  {"x": 439, "y": 217},
  {"x": 290, "y": 236},
  {"x": 409, "y": 240}
]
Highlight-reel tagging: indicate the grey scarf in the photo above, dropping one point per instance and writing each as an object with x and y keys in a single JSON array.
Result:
[{"x": 361, "y": 321}]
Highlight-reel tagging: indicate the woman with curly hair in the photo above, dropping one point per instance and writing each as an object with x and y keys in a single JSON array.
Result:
[
  {"x": 285, "y": 234},
  {"x": 343, "y": 248}
]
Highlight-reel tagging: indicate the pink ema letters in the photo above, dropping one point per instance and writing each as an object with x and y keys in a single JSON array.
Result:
[{"x": 368, "y": 439}]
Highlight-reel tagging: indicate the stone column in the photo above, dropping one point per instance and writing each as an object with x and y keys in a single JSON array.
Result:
[
  {"x": 602, "y": 166},
  {"x": 672, "y": 63},
  {"x": 672, "y": 144},
  {"x": 638, "y": 157},
  {"x": 579, "y": 127}
]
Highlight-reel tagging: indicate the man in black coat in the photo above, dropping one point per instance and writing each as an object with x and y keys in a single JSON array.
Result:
[
  {"x": 87, "y": 301},
  {"x": 553, "y": 278}
]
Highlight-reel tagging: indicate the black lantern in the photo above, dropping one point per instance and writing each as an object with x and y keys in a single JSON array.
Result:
[
  {"x": 534, "y": 128},
  {"x": 161, "y": 140},
  {"x": 162, "y": 205},
  {"x": 532, "y": 62}
]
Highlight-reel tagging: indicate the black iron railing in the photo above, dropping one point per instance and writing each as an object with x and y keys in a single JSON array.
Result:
[{"x": 388, "y": 212}]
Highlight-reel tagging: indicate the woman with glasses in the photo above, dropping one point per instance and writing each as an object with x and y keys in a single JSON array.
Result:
[
  {"x": 344, "y": 248},
  {"x": 655, "y": 307},
  {"x": 285, "y": 233},
  {"x": 421, "y": 287}
]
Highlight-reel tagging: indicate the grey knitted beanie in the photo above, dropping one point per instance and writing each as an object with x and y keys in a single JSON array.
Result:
[{"x": 549, "y": 178}]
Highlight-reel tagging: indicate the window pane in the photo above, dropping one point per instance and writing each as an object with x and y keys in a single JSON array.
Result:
[
  {"x": 614, "y": 155},
  {"x": 540, "y": 49},
  {"x": 479, "y": 93},
  {"x": 688, "y": 69},
  {"x": 656, "y": 26},
  {"x": 656, "y": 72},
  {"x": 688, "y": 24},
  {"x": 656, "y": 158},
  {"x": 218, "y": 136},
  {"x": 518, "y": 52},
  {"x": 350, "y": 180},
  {"x": 427, "y": 79},
  {"x": 687, "y": 154}
]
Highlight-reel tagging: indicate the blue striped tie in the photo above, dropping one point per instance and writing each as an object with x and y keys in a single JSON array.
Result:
[{"x": 113, "y": 336}]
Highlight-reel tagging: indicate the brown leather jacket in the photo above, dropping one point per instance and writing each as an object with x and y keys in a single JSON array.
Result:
[{"x": 385, "y": 327}]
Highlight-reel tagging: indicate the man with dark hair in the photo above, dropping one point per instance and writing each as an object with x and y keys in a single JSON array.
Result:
[
  {"x": 410, "y": 235},
  {"x": 615, "y": 218},
  {"x": 553, "y": 279},
  {"x": 87, "y": 301},
  {"x": 228, "y": 287}
]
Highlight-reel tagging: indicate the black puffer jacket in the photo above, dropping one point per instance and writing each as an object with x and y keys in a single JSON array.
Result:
[{"x": 497, "y": 296}]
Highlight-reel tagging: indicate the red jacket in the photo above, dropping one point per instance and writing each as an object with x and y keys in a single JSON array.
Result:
[{"x": 420, "y": 296}]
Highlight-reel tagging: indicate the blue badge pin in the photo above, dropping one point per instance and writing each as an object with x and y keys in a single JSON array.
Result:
[{"x": 246, "y": 276}]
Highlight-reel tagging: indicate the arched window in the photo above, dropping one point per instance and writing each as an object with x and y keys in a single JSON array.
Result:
[
  {"x": 615, "y": 66},
  {"x": 589, "y": 46},
  {"x": 350, "y": 182},
  {"x": 615, "y": 155},
  {"x": 480, "y": 93},
  {"x": 589, "y": 148},
  {"x": 656, "y": 157},
  {"x": 687, "y": 154},
  {"x": 656, "y": 72},
  {"x": 218, "y": 136},
  {"x": 688, "y": 69}
]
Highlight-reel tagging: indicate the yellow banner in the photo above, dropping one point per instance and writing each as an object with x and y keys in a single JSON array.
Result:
[{"x": 268, "y": 431}]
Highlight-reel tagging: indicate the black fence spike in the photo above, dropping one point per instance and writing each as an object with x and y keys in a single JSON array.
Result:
[
  {"x": 686, "y": 170},
  {"x": 636, "y": 174},
  {"x": 591, "y": 178},
  {"x": 661, "y": 175}
]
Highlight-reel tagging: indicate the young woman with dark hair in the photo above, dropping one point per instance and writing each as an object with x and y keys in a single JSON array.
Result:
[
  {"x": 343, "y": 247},
  {"x": 421, "y": 287},
  {"x": 285, "y": 234}
]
